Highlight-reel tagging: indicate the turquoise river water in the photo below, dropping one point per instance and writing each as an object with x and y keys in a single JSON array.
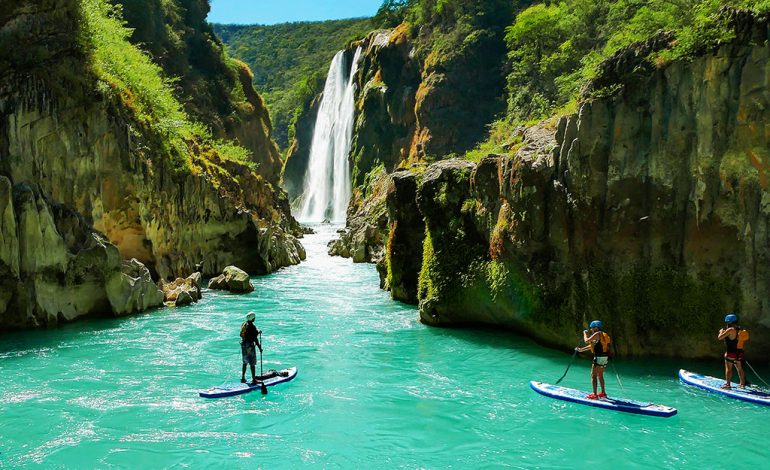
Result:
[{"x": 375, "y": 389}]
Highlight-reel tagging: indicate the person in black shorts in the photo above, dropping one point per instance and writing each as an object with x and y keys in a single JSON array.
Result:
[
  {"x": 249, "y": 344},
  {"x": 734, "y": 337},
  {"x": 598, "y": 343}
]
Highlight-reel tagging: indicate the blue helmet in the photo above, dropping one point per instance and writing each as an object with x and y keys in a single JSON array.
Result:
[
  {"x": 595, "y": 323},
  {"x": 732, "y": 318}
]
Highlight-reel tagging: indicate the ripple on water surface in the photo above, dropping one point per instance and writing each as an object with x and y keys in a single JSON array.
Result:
[{"x": 376, "y": 389}]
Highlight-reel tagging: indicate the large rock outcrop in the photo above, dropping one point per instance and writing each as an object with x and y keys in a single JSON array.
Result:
[
  {"x": 389, "y": 76},
  {"x": 367, "y": 224},
  {"x": 55, "y": 267},
  {"x": 86, "y": 149},
  {"x": 132, "y": 289},
  {"x": 649, "y": 209},
  {"x": 429, "y": 91}
]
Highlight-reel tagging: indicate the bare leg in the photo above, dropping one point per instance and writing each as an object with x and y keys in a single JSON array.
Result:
[
  {"x": 593, "y": 377},
  {"x": 600, "y": 373},
  {"x": 741, "y": 373},
  {"x": 728, "y": 373},
  {"x": 253, "y": 373},
  {"x": 243, "y": 372}
]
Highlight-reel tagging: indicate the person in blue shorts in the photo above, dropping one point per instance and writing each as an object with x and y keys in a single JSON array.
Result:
[{"x": 249, "y": 344}]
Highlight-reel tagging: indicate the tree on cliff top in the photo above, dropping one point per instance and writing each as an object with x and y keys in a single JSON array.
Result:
[{"x": 555, "y": 48}]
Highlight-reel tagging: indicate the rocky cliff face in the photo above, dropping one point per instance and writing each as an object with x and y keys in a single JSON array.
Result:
[
  {"x": 648, "y": 209},
  {"x": 298, "y": 155},
  {"x": 65, "y": 143},
  {"x": 412, "y": 103},
  {"x": 424, "y": 93},
  {"x": 56, "y": 268},
  {"x": 387, "y": 83}
]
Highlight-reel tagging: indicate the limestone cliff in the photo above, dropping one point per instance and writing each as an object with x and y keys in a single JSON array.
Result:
[
  {"x": 295, "y": 166},
  {"x": 64, "y": 133},
  {"x": 422, "y": 92},
  {"x": 430, "y": 90},
  {"x": 649, "y": 209}
]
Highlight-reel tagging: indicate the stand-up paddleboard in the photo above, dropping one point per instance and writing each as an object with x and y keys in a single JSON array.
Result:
[
  {"x": 616, "y": 404},
  {"x": 713, "y": 384},
  {"x": 237, "y": 388}
]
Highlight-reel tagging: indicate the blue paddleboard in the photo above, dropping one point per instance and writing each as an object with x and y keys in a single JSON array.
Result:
[
  {"x": 713, "y": 384},
  {"x": 237, "y": 388},
  {"x": 616, "y": 404}
]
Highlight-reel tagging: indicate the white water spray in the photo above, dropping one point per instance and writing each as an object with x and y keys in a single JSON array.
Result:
[{"x": 327, "y": 180}]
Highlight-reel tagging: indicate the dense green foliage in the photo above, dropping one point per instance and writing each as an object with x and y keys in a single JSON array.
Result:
[
  {"x": 129, "y": 73},
  {"x": 555, "y": 48},
  {"x": 207, "y": 82},
  {"x": 288, "y": 59},
  {"x": 457, "y": 27},
  {"x": 392, "y": 13}
]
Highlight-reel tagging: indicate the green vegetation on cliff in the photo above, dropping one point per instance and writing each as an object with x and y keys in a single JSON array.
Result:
[
  {"x": 556, "y": 49},
  {"x": 289, "y": 60},
  {"x": 129, "y": 73}
]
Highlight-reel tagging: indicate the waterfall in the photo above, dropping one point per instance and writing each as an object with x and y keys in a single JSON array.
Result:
[{"x": 327, "y": 180}]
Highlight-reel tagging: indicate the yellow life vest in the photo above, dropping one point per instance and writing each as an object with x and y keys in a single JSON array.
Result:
[
  {"x": 604, "y": 340},
  {"x": 743, "y": 336}
]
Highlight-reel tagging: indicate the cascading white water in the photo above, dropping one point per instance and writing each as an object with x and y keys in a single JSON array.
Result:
[{"x": 327, "y": 180}]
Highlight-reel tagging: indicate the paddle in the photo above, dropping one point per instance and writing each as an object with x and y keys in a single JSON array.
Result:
[
  {"x": 615, "y": 351},
  {"x": 574, "y": 353},
  {"x": 755, "y": 373},
  {"x": 263, "y": 387}
]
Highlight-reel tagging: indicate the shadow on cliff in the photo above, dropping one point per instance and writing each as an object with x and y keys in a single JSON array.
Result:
[{"x": 640, "y": 367}]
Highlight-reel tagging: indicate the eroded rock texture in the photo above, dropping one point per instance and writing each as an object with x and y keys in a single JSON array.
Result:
[
  {"x": 70, "y": 150},
  {"x": 648, "y": 209}
]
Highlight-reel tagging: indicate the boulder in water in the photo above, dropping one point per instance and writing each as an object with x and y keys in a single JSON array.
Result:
[
  {"x": 232, "y": 279},
  {"x": 218, "y": 283},
  {"x": 183, "y": 298},
  {"x": 172, "y": 290},
  {"x": 197, "y": 279},
  {"x": 132, "y": 289}
]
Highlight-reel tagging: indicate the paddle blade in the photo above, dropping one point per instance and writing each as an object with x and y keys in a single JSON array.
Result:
[
  {"x": 263, "y": 388},
  {"x": 568, "y": 366}
]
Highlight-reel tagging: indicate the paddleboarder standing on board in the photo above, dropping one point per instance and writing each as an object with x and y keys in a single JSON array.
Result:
[
  {"x": 734, "y": 337},
  {"x": 249, "y": 344},
  {"x": 598, "y": 342}
]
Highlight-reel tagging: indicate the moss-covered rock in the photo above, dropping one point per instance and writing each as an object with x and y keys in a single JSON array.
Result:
[
  {"x": 405, "y": 239},
  {"x": 596, "y": 216}
]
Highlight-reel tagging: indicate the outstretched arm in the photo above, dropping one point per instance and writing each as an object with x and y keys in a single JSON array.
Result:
[{"x": 583, "y": 349}]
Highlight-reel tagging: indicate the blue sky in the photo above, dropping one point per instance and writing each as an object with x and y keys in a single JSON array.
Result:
[{"x": 282, "y": 11}]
